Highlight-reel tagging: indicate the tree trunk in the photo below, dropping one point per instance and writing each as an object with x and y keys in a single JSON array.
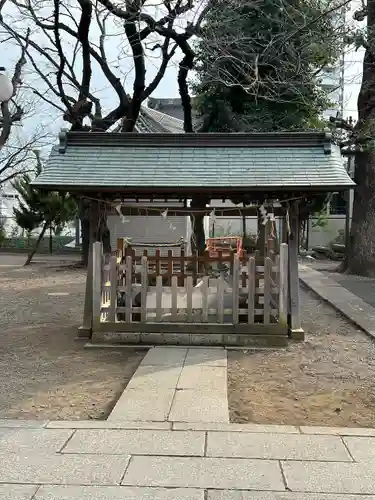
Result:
[
  {"x": 361, "y": 255},
  {"x": 32, "y": 253}
]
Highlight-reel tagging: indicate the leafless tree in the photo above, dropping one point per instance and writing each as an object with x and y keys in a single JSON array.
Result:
[
  {"x": 11, "y": 114},
  {"x": 16, "y": 149},
  {"x": 84, "y": 53},
  {"x": 72, "y": 40}
]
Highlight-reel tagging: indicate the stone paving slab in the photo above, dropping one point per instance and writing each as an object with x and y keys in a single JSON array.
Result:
[
  {"x": 232, "y": 427},
  {"x": 164, "y": 356},
  {"x": 155, "y": 377},
  {"x": 268, "y": 495},
  {"x": 137, "y": 442},
  {"x": 62, "y": 469},
  {"x": 339, "y": 431},
  {"x": 116, "y": 493},
  {"x": 276, "y": 446},
  {"x": 330, "y": 477},
  {"x": 17, "y": 491},
  {"x": 33, "y": 440},
  {"x": 190, "y": 405},
  {"x": 31, "y": 424},
  {"x": 206, "y": 357},
  {"x": 139, "y": 404},
  {"x": 196, "y": 472},
  {"x": 201, "y": 378},
  {"x": 361, "y": 448},
  {"x": 188, "y": 385},
  {"x": 109, "y": 424}
]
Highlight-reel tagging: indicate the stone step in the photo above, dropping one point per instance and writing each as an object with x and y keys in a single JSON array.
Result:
[{"x": 190, "y": 339}]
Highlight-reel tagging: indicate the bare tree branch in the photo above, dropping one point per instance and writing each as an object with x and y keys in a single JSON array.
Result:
[{"x": 8, "y": 118}]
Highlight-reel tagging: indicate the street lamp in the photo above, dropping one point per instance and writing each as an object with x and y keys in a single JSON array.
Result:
[{"x": 6, "y": 87}]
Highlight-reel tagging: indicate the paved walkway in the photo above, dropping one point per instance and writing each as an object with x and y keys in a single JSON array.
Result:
[
  {"x": 340, "y": 297},
  {"x": 177, "y": 385},
  {"x": 178, "y": 454}
]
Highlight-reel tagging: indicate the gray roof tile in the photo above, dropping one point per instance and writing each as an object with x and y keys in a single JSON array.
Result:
[{"x": 162, "y": 166}]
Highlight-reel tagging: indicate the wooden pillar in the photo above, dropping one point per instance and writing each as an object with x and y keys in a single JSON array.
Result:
[
  {"x": 261, "y": 242},
  {"x": 85, "y": 330},
  {"x": 96, "y": 284},
  {"x": 283, "y": 230},
  {"x": 295, "y": 328}
]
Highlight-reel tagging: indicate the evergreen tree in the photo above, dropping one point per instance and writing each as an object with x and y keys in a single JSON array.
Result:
[
  {"x": 258, "y": 64},
  {"x": 40, "y": 209}
]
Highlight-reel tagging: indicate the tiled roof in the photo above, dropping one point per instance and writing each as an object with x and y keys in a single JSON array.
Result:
[
  {"x": 153, "y": 121},
  {"x": 219, "y": 161}
]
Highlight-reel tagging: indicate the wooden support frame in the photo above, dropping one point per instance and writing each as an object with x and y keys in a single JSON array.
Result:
[
  {"x": 85, "y": 330},
  {"x": 296, "y": 331}
]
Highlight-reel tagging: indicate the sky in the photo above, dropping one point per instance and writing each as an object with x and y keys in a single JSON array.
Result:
[
  {"x": 353, "y": 68},
  {"x": 49, "y": 118}
]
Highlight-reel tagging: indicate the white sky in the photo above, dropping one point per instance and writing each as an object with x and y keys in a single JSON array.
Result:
[
  {"x": 353, "y": 69},
  {"x": 49, "y": 118}
]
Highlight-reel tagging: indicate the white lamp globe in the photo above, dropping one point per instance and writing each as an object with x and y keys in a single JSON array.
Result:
[{"x": 6, "y": 87}]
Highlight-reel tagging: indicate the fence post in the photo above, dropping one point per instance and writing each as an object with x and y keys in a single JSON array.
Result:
[
  {"x": 174, "y": 296},
  {"x": 144, "y": 286},
  {"x": 220, "y": 299},
  {"x": 283, "y": 284},
  {"x": 129, "y": 289},
  {"x": 113, "y": 289},
  {"x": 205, "y": 288},
  {"x": 236, "y": 290},
  {"x": 159, "y": 296},
  {"x": 267, "y": 290},
  {"x": 251, "y": 290},
  {"x": 189, "y": 299},
  {"x": 96, "y": 284}
]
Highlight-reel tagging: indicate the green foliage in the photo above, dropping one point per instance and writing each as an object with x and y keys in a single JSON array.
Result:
[
  {"x": 320, "y": 218},
  {"x": 39, "y": 208},
  {"x": 258, "y": 65}
]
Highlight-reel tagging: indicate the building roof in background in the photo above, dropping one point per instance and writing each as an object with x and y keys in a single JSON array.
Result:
[
  {"x": 178, "y": 162},
  {"x": 152, "y": 121},
  {"x": 172, "y": 107}
]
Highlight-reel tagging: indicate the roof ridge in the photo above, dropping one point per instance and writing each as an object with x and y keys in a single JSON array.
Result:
[
  {"x": 300, "y": 139},
  {"x": 169, "y": 117}
]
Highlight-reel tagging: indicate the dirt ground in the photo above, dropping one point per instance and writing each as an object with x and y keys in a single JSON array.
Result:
[
  {"x": 44, "y": 372},
  {"x": 327, "y": 380}
]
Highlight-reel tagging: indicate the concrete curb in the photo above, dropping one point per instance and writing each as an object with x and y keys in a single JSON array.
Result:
[{"x": 354, "y": 309}]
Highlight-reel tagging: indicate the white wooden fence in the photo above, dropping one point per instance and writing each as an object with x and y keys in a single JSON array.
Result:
[{"x": 254, "y": 293}]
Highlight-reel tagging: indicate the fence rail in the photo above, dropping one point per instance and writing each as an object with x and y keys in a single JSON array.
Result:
[{"x": 139, "y": 289}]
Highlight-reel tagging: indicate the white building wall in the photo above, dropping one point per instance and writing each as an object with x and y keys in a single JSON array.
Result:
[{"x": 152, "y": 229}]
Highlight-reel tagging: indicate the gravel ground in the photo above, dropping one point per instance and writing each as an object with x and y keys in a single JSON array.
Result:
[
  {"x": 327, "y": 380},
  {"x": 44, "y": 372}
]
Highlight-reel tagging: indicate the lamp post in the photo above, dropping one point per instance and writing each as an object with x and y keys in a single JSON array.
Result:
[{"x": 6, "y": 87}]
